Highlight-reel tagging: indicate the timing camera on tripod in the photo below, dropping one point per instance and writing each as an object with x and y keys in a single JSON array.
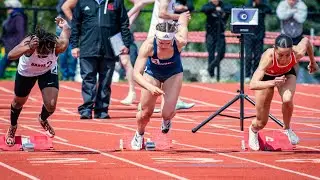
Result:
[{"x": 243, "y": 21}]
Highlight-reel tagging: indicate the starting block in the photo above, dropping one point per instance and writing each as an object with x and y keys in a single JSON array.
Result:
[
  {"x": 271, "y": 140},
  {"x": 149, "y": 145},
  {"x": 155, "y": 141},
  {"x": 16, "y": 147},
  {"x": 41, "y": 142},
  {"x": 32, "y": 143}
]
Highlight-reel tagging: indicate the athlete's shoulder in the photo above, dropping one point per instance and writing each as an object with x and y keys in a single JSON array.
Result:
[
  {"x": 147, "y": 46},
  {"x": 268, "y": 53},
  {"x": 148, "y": 43},
  {"x": 266, "y": 58}
]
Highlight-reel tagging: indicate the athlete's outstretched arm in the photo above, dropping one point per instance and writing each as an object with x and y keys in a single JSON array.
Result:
[
  {"x": 63, "y": 40},
  {"x": 163, "y": 11},
  {"x": 138, "y": 5},
  {"x": 67, "y": 7},
  {"x": 182, "y": 34},
  {"x": 135, "y": 10},
  {"x": 26, "y": 46},
  {"x": 265, "y": 62},
  {"x": 301, "y": 49}
]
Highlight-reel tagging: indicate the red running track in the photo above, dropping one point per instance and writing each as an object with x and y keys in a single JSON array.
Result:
[{"x": 88, "y": 149}]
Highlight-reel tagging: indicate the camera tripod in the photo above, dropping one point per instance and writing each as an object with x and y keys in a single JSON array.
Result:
[{"x": 241, "y": 96}]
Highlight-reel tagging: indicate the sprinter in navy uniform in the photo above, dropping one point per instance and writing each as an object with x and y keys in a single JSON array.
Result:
[{"x": 158, "y": 70}]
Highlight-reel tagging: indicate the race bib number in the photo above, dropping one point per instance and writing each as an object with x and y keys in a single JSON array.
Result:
[{"x": 54, "y": 69}]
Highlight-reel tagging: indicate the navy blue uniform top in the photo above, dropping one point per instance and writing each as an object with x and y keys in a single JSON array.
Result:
[{"x": 163, "y": 69}]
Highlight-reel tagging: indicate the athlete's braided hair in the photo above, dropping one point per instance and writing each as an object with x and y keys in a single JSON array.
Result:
[
  {"x": 283, "y": 41},
  {"x": 47, "y": 40},
  {"x": 166, "y": 27}
]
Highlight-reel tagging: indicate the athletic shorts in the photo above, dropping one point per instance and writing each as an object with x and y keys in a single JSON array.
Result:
[
  {"x": 268, "y": 77},
  {"x": 23, "y": 85},
  {"x": 162, "y": 76}
]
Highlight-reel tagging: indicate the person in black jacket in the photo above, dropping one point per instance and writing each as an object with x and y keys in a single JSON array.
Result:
[
  {"x": 93, "y": 23},
  {"x": 217, "y": 16},
  {"x": 254, "y": 42}
]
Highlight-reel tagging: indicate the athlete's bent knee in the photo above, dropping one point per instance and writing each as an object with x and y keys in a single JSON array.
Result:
[
  {"x": 287, "y": 97},
  {"x": 51, "y": 107},
  {"x": 146, "y": 114},
  {"x": 18, "y": 103},
  {"x": 168, "y": 115},
  {"x": 287, "y": 100}
]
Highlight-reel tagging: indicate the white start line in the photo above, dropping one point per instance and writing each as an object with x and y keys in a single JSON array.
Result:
[{"x": 59, "y": 160}]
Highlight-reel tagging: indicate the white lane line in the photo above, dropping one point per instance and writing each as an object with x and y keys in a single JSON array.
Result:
[
  {"x": 82, "y": 130},
  {"x": 185, "y": 98},
  {"x": 251, "y": 161},
  {"x": 18, "y": 171},
  {"x": 307, "y": 94},
  {"x": 79, "y": 91},
  {"x": 11, "y": 92},
  {"x": 125, "y": 160}
]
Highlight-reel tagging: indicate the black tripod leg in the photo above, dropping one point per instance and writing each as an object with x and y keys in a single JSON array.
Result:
[
  {"x": 250, "y": 100},
  {"x": 241, "y": 111},
  {"x": 276, "y": 120},
  {"x": 270, "y": 115},
  {"x": 215, "y": 114}
]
